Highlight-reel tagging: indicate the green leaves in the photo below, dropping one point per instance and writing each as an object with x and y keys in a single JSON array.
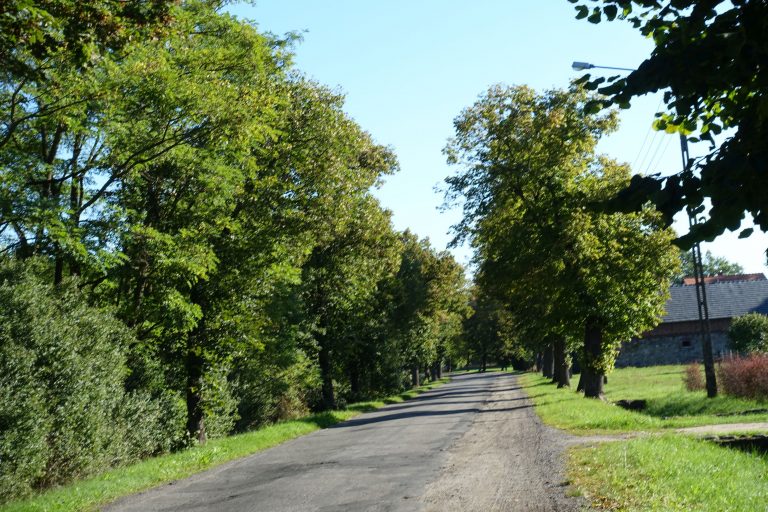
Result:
[
  {"x": 707, "y": 59},
  {"x": 531, "y": 178}
]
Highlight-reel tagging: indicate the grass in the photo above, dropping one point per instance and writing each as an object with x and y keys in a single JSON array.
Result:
[
  {"x": 88, "y": 494},
  {"x": 664, "y": 472},
  {"x": 670, "y": 473},
  {"x": 669, "y": 404}
]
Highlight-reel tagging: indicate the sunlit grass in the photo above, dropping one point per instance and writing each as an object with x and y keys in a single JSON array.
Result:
[
  {"x": 89, "y": 494},
  {"x": 669, "y": 404},
  {"x": 663, "y": 471},
  {"x": 670, "y": 473}
]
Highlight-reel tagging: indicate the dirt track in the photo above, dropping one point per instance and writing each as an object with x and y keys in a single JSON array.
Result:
[{"x": 507, "y": 460}]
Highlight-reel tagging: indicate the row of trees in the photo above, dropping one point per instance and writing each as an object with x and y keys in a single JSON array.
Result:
[
  {"x": 570, "y": 279},
  {"x": 189, "y": 242}
]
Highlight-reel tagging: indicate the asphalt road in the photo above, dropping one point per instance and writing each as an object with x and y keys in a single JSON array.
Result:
[{"x": 384, "y": 460}]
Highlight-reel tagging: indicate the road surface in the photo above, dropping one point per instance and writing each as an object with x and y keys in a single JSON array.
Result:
[{"x": 472, "y": 444}]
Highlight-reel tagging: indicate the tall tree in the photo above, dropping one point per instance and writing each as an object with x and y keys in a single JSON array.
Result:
[
  {"x": 529, "y": 172},
  {"x": 341, "y": 278}
]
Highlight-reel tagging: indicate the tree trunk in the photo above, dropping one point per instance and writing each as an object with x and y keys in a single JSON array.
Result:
[
  {"x": 194, "y": 368},
  {"x": 548, "y": 362},
  {"x": 433, "y": 371},
  {"x": 415, "y": 375},
  {"x": 439, "y": 370},
  {"x": 324, "y": 358},
  {"x": 484, "y": 364},
  {"x": 539, "y": 364},
  {"x": 58, "y": 266},
  {"x": 593, "y": 351},
  {"x": 75, "y": 199},
  {"x": 354, "y": 381},
  {"x": 562, "y": 375},
  {"x": 193, "y": 365}
]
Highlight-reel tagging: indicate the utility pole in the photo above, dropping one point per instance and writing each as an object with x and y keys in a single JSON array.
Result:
[{"x": 701, "y": 292}]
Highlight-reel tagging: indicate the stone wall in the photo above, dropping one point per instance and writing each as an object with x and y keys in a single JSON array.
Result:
[{"x": 670, "y": 349}]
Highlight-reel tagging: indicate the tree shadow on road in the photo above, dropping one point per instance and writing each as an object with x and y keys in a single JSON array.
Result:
[{"x": 419, "y": 414}]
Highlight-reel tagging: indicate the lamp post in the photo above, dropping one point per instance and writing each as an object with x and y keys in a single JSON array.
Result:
[
  {"x": 698, "y": 268},
  {"x": 581, "y": 66}
]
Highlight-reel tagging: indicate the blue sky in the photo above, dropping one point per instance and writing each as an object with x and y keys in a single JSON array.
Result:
[{"x": 408, "y": 68}]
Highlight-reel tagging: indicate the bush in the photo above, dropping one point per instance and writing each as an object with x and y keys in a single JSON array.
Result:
[
  {"x": 64, "y": 412},
  {"x": 744, "y": 376},
  {"x": 749, "y": 333},
  {"x": 271, "y": 387},
  {"x": 693, "y": 377}
]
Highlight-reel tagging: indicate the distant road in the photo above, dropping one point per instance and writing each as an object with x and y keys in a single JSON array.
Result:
[{"x": 471, "y": 444}]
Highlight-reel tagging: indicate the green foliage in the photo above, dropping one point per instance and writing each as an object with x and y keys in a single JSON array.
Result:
[
  {"x": 707, "y": 58},
  {"x": 204, "y": 213},
  {"x": 81, "y": 31},
  {"x": 62, "y": 366},
  {"x": 711, "y": 265},
  {"x": 86, "y": 495},
  {"x": 529, "y": 176},
  {"x": 749, "y": 333},
  {"x": 487, "y": 333}
]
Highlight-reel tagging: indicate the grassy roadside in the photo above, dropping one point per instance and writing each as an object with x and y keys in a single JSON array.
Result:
[
  {"x": 669, "y": 405},
  {"x": 88, "y": 494},
  {"x": 671, "y": 472},
  {"x": 663, "y": 472}
]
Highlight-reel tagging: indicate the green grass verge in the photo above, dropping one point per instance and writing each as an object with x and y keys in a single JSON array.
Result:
[
  {"x": 670, "y": 473},
  {"x": 669, "y": 404},
  {"x": 666, "y": 472},
  {"x": 88, "y": 494}
]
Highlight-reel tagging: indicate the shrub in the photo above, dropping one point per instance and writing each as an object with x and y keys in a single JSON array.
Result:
[
  {"x": 64, "y": 412},
  {"x": 749, "y": 333},
  {"x": 693, "y": 377},
  {"x": 744, "y": 376}
]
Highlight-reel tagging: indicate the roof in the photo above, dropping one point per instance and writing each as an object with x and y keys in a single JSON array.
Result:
[
  {"x": 723, "y": 278},
  {"x": 726, "y": 299}
]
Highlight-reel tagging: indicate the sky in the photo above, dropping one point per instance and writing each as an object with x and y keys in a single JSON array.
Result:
[{"x": 408, "y": 68}]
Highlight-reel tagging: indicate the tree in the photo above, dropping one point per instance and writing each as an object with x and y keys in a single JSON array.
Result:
[
  {"x": 83, "y": 31},
  {"x": 485, "y": 330},
  {"x": 709, "y": 61},
  {"x": 428, "y": 304},
  {"x": 340, "y": 279},
  {"x": 561, "y": 269},
  {"x": 749, "y": 333},
  {"x": 711, "y": 266}
]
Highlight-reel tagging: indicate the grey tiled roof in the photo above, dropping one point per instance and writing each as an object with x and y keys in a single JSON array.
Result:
[{"x": 725, "y": 300}]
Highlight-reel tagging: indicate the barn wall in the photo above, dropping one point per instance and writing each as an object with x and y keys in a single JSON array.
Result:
[{"x": 672, "y": 345}]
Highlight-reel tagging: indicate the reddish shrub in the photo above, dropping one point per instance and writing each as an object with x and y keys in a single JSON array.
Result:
[
  {"x": 693, "y": 377},
  {"x": 744, "y": 376}
]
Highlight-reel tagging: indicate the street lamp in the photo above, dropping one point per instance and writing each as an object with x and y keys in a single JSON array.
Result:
[
  {"x": 581, "y": 66},
  {"x": 698, "y": 269}
]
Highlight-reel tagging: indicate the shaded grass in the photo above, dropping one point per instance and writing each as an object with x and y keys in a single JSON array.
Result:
[
  {"x": 669, "y": 404},
  {"x": 90, "y": 493},
  {"x": 670, "y": 473}
]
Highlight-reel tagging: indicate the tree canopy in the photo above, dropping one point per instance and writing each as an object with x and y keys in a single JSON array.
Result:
[
  {"x": 529, "y": 173},
  {"x": 709, "y": 61}
]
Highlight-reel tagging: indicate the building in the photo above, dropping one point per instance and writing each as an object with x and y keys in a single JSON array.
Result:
[{"x": 677, "y": 338}]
